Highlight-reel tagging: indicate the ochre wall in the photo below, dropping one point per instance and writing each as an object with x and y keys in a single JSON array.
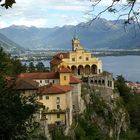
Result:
[{"x": 64, "y": 78}]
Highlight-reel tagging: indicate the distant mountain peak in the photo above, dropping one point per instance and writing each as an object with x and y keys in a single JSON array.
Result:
[
  {"x": 19, "y": 27},
  {"x": 101, "y": 33}
]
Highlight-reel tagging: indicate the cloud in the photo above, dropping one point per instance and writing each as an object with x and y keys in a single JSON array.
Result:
[
  {"x": 48, "y": 13},
  {"x": 3, "y": 24},
  {"x": 31, "y": 12},
  {"x": 31, "y": 22}
]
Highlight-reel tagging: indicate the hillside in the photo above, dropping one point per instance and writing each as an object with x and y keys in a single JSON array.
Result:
[
  {"x": 100, "y": 34},
  {"x": 9, "y": 46}
]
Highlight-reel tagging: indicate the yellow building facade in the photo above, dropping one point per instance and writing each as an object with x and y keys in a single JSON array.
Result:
[
  {"x": 59, "y": 93},
  {"x": 79, "y": 61},
  {"x": 58, "y": 106}
]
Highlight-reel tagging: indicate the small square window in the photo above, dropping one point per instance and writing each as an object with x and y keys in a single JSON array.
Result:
[
  {"x": 58, "y": 100},
  {"x": 65, "y": 77},
  {"x": 87, "y": 58},
  {"x": 58, "y": 106},
  {"x": 47, "y": 97},
  {"x": 73, "y": 59},
  {"x": 73, "y": 106},
  {"x": 58, "y": 115},
  {"x": 80, "y": 57}
]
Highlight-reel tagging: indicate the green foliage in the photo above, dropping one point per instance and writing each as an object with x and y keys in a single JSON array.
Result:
[
  {"x": 15, "y": 112},
  {"x": 88, "y": 131},
  {"x": 8, "y": 66},
  {"x": 131, "y": 103},
  {"x": 122, "y": 87},
  {"x": 36, "y": 134},
  {"x": 130, "y": 135},
  {"x": 58, "y": 134},
  {"x": 8, "y": 3},
  {"x": 40, "y": 66},
  {"x": 31, "y": 67},
  {"x": 133, "y": 107}
]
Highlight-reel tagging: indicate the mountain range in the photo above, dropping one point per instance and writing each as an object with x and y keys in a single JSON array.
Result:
[
  {"x": 10, "y": 46},
  {"x": 100, "y": 33}
]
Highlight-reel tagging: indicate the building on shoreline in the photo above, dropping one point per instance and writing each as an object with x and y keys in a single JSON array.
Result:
[
  {"x": 79, "y": 61},
  {"x": 59, "y": 90},
  {"x": 83, "y": 64}
]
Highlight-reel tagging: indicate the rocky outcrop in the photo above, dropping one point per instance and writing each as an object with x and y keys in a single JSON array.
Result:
[{"x": 106, "y": 110}]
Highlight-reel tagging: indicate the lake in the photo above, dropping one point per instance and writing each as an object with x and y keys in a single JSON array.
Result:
[{"x": 128, "y": 66}]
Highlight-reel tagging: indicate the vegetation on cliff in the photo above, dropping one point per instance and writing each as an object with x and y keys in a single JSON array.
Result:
[{"x": 131, "y": 101}]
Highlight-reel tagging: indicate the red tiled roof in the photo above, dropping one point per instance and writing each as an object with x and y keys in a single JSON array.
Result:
[
  {"x": 26, "y": 84},
  {"x": 56, "y": 61},
  {"x": 54, "y": 89},
  {"x": 39, "y": 75},
  {"x": 64, "y": 69},
  {"x": 65, "y": 55},
  {"x": 74, "y": 80}
]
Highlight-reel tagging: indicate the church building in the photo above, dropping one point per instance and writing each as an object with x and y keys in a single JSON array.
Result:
[{"x": 78, "y": 60}]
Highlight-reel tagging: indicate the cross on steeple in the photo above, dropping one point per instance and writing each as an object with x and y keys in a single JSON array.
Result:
[
  {"x": 75, "y": 34},
  {"x": 75, "y": 41}
]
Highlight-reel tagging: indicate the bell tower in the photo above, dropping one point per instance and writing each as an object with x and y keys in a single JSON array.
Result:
[{"x": 75, "y": 42}]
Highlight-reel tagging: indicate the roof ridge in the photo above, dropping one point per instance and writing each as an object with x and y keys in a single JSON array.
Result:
[{"x": 59, "y": 87}]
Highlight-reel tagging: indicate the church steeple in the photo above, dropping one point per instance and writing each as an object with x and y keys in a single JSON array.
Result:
[{"x": 75, "y": 42}]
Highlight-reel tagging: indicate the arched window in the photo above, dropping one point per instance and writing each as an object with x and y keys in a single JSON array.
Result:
[
  {"x": 103, "y": 82},
  {"x": 61, "y": 56},
  {"x": 91, "y": 81},
  {"x": 95, "y": 81}
]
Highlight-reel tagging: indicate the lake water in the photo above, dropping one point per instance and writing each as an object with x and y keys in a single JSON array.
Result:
[{"x": 128, "y": 66}]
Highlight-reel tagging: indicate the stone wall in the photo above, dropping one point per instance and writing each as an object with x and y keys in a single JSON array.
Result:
[{"x": 104, "y": 80}]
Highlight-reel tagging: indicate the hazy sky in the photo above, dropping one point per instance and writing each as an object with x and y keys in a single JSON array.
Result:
[{"x": 50, "y": 13}]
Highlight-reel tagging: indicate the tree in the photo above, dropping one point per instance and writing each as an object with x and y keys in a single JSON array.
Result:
[
  {"x": 122, "y": 87},
  {"x": 31, "y": 67},
  {"x": 7, "y": 3},
  {"x": 15, "y": 112},
  {"x": 17, "y": 67},
  {"x": 126, "y": 9},
  {"x": 9, "y": 66},
  {"x": 40, "y": 66},
  {"x": 131, "y": 102}
]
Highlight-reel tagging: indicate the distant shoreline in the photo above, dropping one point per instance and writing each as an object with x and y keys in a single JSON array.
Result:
[{"x": 38, "y": 55}]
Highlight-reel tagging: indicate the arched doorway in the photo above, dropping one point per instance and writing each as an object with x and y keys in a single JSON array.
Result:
[
  {"x": 80, "y": 70},
  {"x": 74, "y": 69},
  {"x": 87, "y": 70},
  {"x": 94, "y": 69},
  {"x": 68, "y": 67}
]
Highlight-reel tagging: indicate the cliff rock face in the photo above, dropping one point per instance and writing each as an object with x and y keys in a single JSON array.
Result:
[{"x": 105, "y": 109}]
